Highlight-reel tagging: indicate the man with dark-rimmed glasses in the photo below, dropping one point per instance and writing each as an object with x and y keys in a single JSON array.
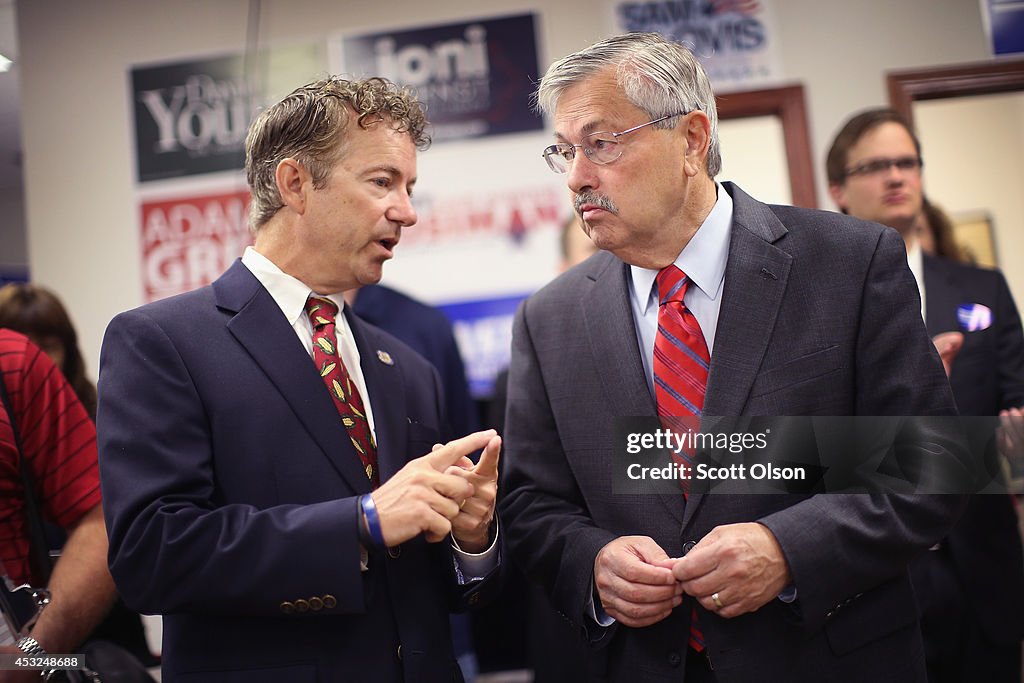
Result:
[
  {"x": 874, "y": 170},
  {"x": 707, "y": 302}
]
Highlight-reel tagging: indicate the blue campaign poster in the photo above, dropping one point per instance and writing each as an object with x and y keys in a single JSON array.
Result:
[{"x": 483, "y": 330}]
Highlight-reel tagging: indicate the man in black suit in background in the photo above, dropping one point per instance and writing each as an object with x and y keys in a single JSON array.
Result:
[{"x": 971, "y": 586}]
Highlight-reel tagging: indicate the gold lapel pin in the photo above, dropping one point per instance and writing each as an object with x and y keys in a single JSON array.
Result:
[{"x": 385, "y": 357}]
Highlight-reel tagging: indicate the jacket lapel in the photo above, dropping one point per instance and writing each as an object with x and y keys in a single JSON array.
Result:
[
  {"x": 941, "y": 298},
  {"x": 756, "y": 274},
  {"x": 261, "y": 329},
  {"x": 609, "y": 320}
]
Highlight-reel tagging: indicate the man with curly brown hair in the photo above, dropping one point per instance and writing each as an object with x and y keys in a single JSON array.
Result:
[{"x": 271, "y": 472}]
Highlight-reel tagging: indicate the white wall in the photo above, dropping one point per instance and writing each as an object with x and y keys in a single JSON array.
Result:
[
  {"x": 75, "y": 56},
  {"x": 974, "y": 163},
  {"x": 763, "y": 174}
]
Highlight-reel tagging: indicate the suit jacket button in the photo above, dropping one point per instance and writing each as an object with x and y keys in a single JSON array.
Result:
[
  {"x": 674, "y": 659},
  {"x": 395, "y": 553},
  {"x": 399, "y": 651},
  {"x": 316, "y": 604},
  {"x": 287, "y": 607},
  {"x": 688, "y": 546},
  {"x": 301, "y": 606},
  {"x": 330, "y": 602}
]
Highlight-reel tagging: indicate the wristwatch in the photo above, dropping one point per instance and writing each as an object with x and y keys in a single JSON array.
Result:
[{"x": 31, "y": 647}]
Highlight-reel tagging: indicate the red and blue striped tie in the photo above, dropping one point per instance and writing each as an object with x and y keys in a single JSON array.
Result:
[{"x": 681, "y": 362}]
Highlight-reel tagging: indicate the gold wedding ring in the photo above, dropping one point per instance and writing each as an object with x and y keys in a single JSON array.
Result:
[{"x": 717, "y": 601}]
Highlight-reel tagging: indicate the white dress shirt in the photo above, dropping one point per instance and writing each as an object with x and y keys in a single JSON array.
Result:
[
  {"x": 291, "y": 295},
  {"x": 915, "y": 259}
]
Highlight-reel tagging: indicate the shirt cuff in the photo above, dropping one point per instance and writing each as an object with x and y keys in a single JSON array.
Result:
[
  {"x": 471, "y": 567},
  {"x": 595, "y": 611}
]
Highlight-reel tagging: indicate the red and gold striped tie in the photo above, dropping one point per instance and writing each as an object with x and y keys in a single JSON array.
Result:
[
  {"x": 323, "y": 313},
  {"x": 681, "y": 363}
]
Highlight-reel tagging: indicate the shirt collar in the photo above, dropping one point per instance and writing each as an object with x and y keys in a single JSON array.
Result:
[
  {"x": 289, "y": 293},
  {"x": 703, "y": 259}
]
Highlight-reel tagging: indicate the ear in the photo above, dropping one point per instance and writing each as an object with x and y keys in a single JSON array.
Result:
[
  {"x": 293, "y": 183},
  {"x": 838, "y": 194},
  {"x": 697, "y": 132}
]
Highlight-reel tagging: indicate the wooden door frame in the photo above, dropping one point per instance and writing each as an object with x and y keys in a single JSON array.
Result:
[
  {"x": 978, "y": 78},
  {"x": 789, "y": 105}
]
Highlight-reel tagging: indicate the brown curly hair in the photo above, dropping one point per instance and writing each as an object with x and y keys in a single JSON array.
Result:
[{"x": 309, "y": 126}]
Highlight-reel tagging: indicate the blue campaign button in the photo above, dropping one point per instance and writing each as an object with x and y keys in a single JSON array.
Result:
[{"x": 974, "y": 317}]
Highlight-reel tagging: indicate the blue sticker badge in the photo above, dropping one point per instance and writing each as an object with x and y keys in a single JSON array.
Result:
[{"x": 974, "y": 317}]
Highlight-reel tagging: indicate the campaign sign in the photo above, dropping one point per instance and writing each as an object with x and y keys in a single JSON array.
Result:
[
  {"x": 1006, "y": 18},
  {"x": 191, "y": 117},
  {"x": 475, "y": 77},
  {"x": 188, "y": 242},
  {"x": 483, "y": 331},
  {"x": 733, "y": 39},
  {"x": 13, "y": 273}
]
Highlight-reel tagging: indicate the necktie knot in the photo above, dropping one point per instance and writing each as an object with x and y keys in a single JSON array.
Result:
[
  {"x": 321, "y": 312},
  {"x": 672, "y": 284}
]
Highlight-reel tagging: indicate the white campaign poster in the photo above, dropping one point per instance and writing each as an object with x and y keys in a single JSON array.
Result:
[{"x": 733, "y": 39}]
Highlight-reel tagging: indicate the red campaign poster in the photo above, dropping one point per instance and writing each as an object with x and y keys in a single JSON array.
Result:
[{"x": 188, "y": 242}]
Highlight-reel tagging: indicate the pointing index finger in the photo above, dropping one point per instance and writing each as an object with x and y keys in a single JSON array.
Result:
[
  {"x": 449, "y": 454},
  {"x": 488, "y": 465}
]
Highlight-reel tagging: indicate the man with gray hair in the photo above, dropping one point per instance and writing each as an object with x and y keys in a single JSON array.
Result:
[
  {"x": 271, "y": 471},
  {"x": 704, "y": 303}
]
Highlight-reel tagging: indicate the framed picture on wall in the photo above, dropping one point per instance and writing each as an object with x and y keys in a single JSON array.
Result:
[{"x": 975, "y": 235}]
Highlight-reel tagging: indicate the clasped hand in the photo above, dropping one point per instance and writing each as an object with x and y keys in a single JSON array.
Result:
[
  {"x": 639, "y": 584},
  {"x": 443, "y": 492}
]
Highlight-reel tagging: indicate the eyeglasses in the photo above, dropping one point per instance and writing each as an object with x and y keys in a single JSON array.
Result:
[
  {"x": 880, "y": 166},
  {"x": 601, "y": 148}
]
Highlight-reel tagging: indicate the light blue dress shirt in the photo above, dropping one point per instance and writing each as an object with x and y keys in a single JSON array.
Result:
[{"x": 703, "y": 260}]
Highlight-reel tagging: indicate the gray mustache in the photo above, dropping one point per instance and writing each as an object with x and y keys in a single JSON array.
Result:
[{"x": 598, "y": 200}]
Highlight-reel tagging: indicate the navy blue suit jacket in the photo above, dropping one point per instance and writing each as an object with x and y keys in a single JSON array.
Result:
[
  {"x": 429, "y": 332},
  {"x": 988, "y": 373},
  {"x": 230, "y": 491}
]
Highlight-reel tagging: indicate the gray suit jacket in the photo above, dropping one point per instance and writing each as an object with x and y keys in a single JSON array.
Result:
[{"x": 819, "y": 317}]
